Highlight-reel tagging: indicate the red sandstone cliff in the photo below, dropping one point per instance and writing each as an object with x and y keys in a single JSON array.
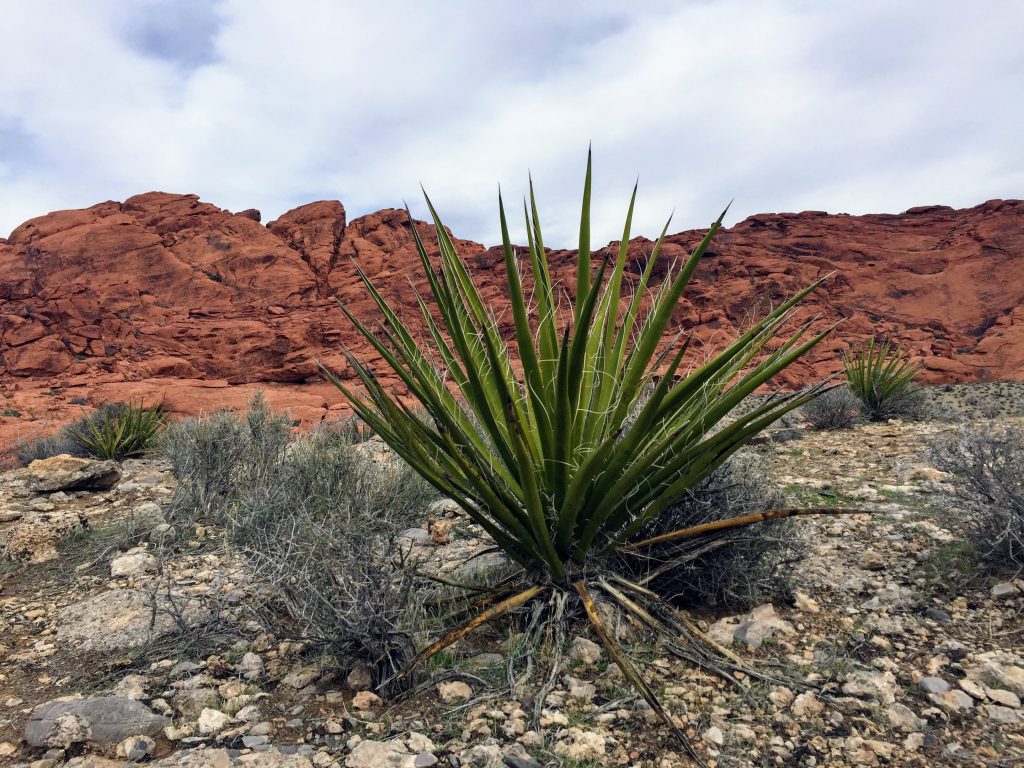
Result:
[{"x": 176, "y": 301}]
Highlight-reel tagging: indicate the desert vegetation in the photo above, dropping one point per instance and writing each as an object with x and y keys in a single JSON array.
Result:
[
  {"x": 113, "y": 431},
  {"x": 568, "y": 465},
  {"x": 882, "y": 378},
  {"x": 986, "y": 463}
]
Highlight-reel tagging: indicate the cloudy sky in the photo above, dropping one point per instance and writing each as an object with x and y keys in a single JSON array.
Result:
[{"x": 851, "y": 107}]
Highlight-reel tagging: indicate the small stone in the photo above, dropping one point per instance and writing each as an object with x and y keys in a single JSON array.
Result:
[
  {"x": 996, "y": 675},
  {"x": 424, "y": 760},
  {"x": 213, "y": 721},
  {"x": 520, "y": 761},
  {"x": 1006, "y": 698},
  {"x": 1003, "y": 714},
  {"x": 807, "y": 704},
  {"x": 872, "y": 561},
  {"x": 417, "y": 742},
  {"x": 7, "y": 749},
  {"x": 805, "y": 603},
  {"x": 360, "y": 677},
  {"x": 934, "y": 684},
  {"x": 781, "y": 697},
  {"x": 903, "y": 716},
  {"x": 953, "y": 700},
  {"x": 250, "y": 713},
  {"x": 580, "y": 744},
  {"x": 68, "y": 473},
  {"x": 714, "y": 735},
  {"x": 972, "y": 688},
  {"x": 250, "y": 666},
  {"x": 250, "y": 741},
  {"x": 1004, "y": 589},
  {"x": 938, "y": 615},
  {"x": 454, "y": 692},
  {"x": 380, "y": 754},
  {"x": 586, "y": 651},
  {"x": 104, "y": 720},
  {"x": 300, "y": 677},
  {"x": 366, "y": 700},
  {"x": 136, "y": 748}
]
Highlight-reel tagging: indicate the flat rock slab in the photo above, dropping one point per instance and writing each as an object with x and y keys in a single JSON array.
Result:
[
  {"x": 68, "y": 473},
  {"x": 103, "y": 720},
  {"x": 33, "y": 536},
  {"x": 125, "y": 618}
]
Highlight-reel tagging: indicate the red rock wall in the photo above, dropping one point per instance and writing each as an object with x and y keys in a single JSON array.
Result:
[{"x": 176, "y": 301}]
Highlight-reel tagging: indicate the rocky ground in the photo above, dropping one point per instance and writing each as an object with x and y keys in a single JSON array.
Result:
[{"x": 124, "y": 640}]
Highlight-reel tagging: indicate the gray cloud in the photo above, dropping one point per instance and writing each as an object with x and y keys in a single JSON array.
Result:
[{"x": 854, "y": 107}]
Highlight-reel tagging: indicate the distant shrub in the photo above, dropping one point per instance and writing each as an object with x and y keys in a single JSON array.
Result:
[
  {"x": 27, "y": 451},
  {"x": 214, "y": 457},
  {"x": 736, "y": 569},
  {"x": 987, "y": 465},
  {"x": 115, "y": 431},
  {"x": 882, "y": 378},
  {"x": 836, "y": 408}
]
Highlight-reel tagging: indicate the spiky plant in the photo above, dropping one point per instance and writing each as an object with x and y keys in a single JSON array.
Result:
[
  {"x": 603, "y": 427},
  {"x": 882, "y": 378},
  {"x": 116, "y": 431}
]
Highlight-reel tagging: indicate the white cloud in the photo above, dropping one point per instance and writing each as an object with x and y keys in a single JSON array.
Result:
[{"x": 855, "y": 107}]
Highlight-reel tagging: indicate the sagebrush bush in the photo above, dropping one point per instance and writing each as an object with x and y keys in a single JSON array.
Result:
[
  {"x": 213, "y": 457},
  {"x": 837, "y": 408},
  {"x": 882, "y": 377},
  {"x": 316, "y": 518},
  {"x": 27, "y": 451},
  {"x": 322, "y": 526},
  {"x": 987, "y": 466},
  {"x": 737, "y": 569}
]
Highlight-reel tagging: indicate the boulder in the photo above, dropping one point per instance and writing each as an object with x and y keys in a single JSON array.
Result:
[
  {"x": 125, "y": 618},
  {"x": 102, "y": 720},
  {"x": 70, "y": 473}
]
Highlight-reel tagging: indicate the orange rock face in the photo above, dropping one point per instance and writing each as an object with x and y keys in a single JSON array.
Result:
[{"x": 165, "y": 299}]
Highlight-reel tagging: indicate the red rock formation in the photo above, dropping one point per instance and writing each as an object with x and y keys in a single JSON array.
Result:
[{"x": 174, "y": 301}]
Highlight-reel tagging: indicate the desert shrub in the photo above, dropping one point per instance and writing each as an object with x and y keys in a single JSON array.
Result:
[
  {"x": 882, "y": 379},
  {"x": 736, "y": 569},
  {"x": 987, "y": 466},
  {"x": 316, "y": 518},
  {"x": 27, "y": 451},
  {"x": 322, "y": 527},
  {"x": 215, "y": 456},
  {"x": 837, "y": 408},
  {"x": 115, "y": 431}
]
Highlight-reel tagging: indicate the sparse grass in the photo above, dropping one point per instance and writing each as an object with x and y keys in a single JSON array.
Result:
[
  {"x": 87, "y": 549},
  {"x": 953, "y": 559}
]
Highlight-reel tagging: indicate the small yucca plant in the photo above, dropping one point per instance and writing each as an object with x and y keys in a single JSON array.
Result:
[
  {"x": 118, "y": 431},
  {"x": 566, "y": 459},
  {"x": 882, "y": 377}
]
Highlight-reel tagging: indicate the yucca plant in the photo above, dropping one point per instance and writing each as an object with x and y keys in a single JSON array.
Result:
[
  {"x": 118, "y": 431},
  {"x": 882, "y": 378},
  {"x": 565, "y": 443}
]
